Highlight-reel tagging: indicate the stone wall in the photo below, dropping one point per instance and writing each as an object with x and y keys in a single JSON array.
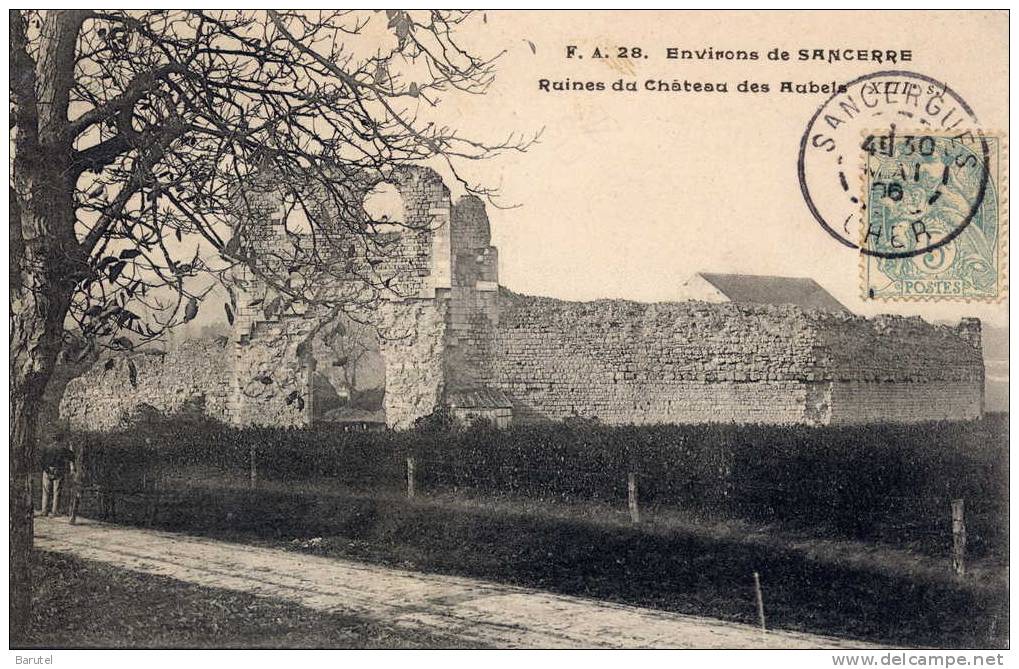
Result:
[
  {"x": 626, "y": 362},
  {"x": 271, "y": 375},
  {"x": 892, "y": 366},
  {"x": 412, "y": 335},
  {"x": 445, "y": 326},
  {"x": 473, "y": 296},
  {"x": 196, "y": 376},
  {"x": 855, "y": 402}
]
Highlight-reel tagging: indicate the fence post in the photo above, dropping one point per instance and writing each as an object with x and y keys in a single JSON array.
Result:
[
  {"x": 410, "y": 477},
  {"x": 254, "y": 467},
  {"x": 760, "y": 601},
  {"x": 958, "y": 538},
  {"x": 77, "y": 482},
  {"x": 631, "y": 489}
]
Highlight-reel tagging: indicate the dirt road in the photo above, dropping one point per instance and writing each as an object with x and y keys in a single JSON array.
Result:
[{"x": 488, "y": 613}]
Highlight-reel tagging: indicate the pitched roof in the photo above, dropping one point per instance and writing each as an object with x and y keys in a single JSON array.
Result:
[
  {"x": 478, "y": 398},
  {"x": 744, "y": 288}
]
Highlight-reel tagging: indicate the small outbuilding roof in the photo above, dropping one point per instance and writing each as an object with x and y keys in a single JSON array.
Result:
[
  {"x": 746, "y": 288},
  {"x": 478, "y": 398}
]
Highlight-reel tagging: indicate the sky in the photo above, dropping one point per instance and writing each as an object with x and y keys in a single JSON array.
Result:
[{"x": 628, "y": 194}]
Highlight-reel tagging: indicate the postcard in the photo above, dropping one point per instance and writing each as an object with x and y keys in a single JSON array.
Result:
[{"x": 417, "y": 329}]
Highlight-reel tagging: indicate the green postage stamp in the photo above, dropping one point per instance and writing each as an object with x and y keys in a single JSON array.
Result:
[{"x": 934, "y": 217}]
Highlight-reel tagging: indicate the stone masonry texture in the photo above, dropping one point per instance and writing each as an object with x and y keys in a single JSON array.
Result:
[
  {"x": 448, "y": 326},
  {"x": 627, "y": 362}
]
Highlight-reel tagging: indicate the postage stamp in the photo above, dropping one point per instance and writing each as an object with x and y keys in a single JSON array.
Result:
[{"x": 934, "y": 221}]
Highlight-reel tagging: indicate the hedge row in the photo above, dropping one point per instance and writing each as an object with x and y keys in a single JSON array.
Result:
[{"x": 856, "y": 480}]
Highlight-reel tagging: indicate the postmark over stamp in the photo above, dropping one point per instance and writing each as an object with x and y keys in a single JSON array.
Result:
[
  {"x": 829, "y": 148},
  {"x": 934, "y": 218}
]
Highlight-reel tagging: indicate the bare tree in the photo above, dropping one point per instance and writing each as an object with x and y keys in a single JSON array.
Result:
[{"x": 137, "y": 137}]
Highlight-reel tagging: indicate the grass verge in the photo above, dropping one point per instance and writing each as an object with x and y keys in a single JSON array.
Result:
[{"x": 84, "y": 604}]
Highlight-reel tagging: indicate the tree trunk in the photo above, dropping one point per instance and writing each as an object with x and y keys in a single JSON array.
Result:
[
  {"x": 22, "y": 465},
  {"x": 39, "y": 301},
  {"x": 45, "y": 259}
]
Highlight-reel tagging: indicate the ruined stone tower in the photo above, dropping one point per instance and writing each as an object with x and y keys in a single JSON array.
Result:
[{"x": 426, "y": 336}]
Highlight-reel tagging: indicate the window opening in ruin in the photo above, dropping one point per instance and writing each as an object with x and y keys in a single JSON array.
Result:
[
  {"x": 384, "y": 206},
  {"x": 296, "y": 218}
]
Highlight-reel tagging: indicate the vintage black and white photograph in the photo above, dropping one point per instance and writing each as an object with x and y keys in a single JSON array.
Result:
[{"x": 509, "y": 329}]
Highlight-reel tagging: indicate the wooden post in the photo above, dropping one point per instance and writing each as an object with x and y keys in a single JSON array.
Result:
[
  {"x": 760, "y": 601},
  {"x": 958, "y": 538},
  {"x": 77, "y": 482},
  {"x": 631, "y": 489},
  {"x": 254, "y": 468},
  {"x": 75, "y": 503},
  {"x": 410, "y": 477}
]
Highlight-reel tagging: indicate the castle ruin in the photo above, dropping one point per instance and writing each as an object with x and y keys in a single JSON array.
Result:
[{"x": 449, "y": 334}]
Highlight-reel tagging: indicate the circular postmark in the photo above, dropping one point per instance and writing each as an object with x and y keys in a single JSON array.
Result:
[{"x": 832, "y": 149}]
